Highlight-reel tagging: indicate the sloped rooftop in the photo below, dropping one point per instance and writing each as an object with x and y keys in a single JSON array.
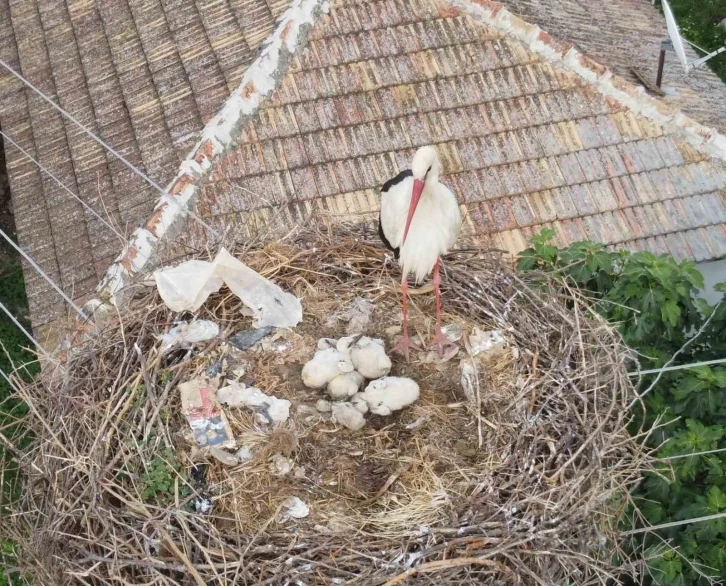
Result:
[
  {"x": 525, "y": 143},
  {"x": 145, "y": 76},
  {"x": 627, "y": 34},
  {"x": 531, "y": 132}
]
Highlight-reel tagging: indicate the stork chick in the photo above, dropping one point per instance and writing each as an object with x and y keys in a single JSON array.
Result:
[{"x": 419, "y": 221}]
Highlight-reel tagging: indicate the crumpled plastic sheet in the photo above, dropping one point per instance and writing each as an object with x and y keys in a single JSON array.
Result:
[{"x": 187, "y": 286}]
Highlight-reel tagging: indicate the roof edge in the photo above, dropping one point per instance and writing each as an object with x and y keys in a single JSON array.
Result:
[
  {"x": 219, "y": 135},
  {"x": 562, "y": 54}
]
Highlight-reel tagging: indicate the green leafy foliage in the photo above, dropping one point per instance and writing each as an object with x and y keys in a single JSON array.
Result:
[
  {"x": 652, "y": 300},
  {"x": 160, "y": 479}
]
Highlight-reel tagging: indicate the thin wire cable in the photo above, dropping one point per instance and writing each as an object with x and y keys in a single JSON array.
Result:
[
  {"x": 110, "y": 149},
  {"x": 674, "y": 524},
  {"x": 673, "y": 358},
  {"x": 706, "y": 453},
  {"x": 680, "y": 367},
  {"x": 44, "y": 275},
  {"x": 58, "y": 181},
  {"x": 22, "y": 329}
]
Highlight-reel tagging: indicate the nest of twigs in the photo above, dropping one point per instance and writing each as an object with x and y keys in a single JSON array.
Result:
[{"x": 526, "y": 482}]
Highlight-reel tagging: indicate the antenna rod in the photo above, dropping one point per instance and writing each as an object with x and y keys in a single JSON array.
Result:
[{"x": 661, "y": 63}]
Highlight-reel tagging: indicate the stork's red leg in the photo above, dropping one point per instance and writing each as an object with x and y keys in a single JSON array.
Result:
[
  {"x": 440, "y": 340},
  {"x": 405, "y": 345}
]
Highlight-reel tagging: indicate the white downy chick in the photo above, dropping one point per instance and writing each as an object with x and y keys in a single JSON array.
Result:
[
  {"x": 369, "y": 358},
  {"x": 322, "y": 368},
  {"x": 389, "y": 394},
  {"x": 345, "y": 385},
  {"x": 348, "y": 416}
]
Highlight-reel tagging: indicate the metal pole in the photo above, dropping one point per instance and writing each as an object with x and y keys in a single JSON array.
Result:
[{"x": 661, "y": 63}]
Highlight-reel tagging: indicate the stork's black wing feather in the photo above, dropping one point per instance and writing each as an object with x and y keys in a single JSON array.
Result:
[
  {"x": 396, "y": 180},
  {"x": 386, "y": 186}
]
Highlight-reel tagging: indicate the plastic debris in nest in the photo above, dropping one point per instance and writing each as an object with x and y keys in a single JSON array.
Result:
[
  {"x": 491, "y": 342},
  {"x": 294, "y": 508},
  {"x": 185, "y": 335},
  {"x": 188, "y": 285},
  {"x": 269, "y": 409},
  {"x": 245, "y": 340},
  {"x": 280, "y": 465},
  {"x": 358, "y": 315},
  {"x": 208, "y": 422}
]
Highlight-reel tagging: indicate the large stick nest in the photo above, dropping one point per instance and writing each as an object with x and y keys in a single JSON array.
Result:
[{"x": 526, "y": 484}]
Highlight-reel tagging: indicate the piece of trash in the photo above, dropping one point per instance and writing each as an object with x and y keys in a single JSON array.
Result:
[
  {"x": 345, "y": 385},
  {"x": 358, "y": 315},
  {"x": 348, "y": 416},
  {"x": 294, "y": 508},
  {"x": 369, "y": 357},
  {"x": 269, "y": 409},
  {"x": 185, "y": 334},
  {"x": 245, "y": 340},
  {"x": 244, "y": 454},
  {"x": 224, "y": 457},
  {"x": 452, "y": 331},
  {"x": 198, "y": 473},
  {"x": 299, "y": 472},
  {"x": 468, "y": 379},
  {"x": 491, "y": 341},
  {"x": 280, "y": 465},
  {"x": 187, "y": 286},
  {"x": 389, "y": 394},
  {"x": 202, "y": 505},
  {"x": 323, "y": 406},
  {"x": 433, "y": 357},
  {"x": 206, "y": 418},
  {"x": 416, "y": 424},
  {"x": 214, "y": 369}
]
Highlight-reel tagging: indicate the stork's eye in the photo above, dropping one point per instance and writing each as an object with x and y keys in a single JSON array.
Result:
[{"x": 427, "y": 172}]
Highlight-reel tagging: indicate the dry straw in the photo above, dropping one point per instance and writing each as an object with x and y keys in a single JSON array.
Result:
[{"x": 526, "y": 485}]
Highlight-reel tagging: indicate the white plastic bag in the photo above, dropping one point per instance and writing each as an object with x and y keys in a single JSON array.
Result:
[{"x": 187, "y": 286}]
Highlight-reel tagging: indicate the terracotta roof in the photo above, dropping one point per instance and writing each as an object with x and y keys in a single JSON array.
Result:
[
  {"x": 626, "y": 34},
  {"x": 531, "y": 133},
  {"x": 145, "y": 75}
]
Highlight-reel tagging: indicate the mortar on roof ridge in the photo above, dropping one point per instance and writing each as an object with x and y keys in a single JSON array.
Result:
[{"x": 634, "y": 98}]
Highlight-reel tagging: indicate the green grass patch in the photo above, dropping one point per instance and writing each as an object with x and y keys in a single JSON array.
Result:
[{"x": 13, "y": 354}]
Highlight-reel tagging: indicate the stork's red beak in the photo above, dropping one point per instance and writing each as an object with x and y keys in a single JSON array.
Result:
[{"x": 418, "y": 187}]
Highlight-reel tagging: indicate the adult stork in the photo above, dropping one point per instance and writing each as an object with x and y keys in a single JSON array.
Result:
[{"x": 419, "y": 221}]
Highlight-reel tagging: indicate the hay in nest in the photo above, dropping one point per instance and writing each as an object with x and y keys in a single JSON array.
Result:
[{"x": 526, "y": 484}]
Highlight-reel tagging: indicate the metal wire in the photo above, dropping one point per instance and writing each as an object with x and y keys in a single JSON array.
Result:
[
  {"x": 22, "y": 329},
  {"x": 680, "y": 367},
  {"x": 110, "y": 149},
  {"x": 61, "y": 184},
  {"x": 52, "y": 283}
]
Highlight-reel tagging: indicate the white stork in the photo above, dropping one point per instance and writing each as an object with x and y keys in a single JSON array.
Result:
[{"x": 419, "y": 221}]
